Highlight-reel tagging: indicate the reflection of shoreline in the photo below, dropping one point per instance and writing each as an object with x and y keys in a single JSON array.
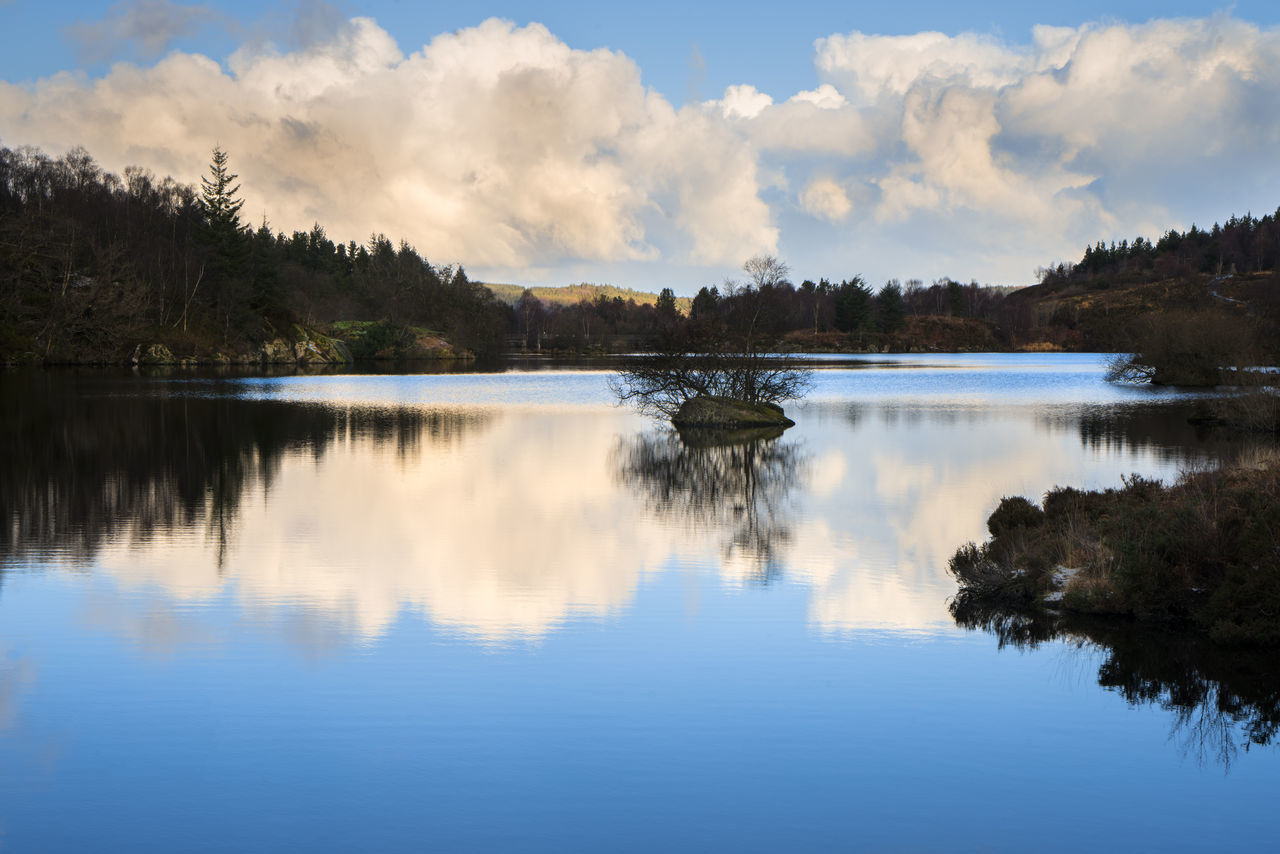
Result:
[
  {"x": 495, "y": 538},
  {"x": 510, "y": 525},
  {"x": 94, "y": 465},
  {"x": 1169, "y": 429},
  {"x": 1222, "y": 698},
  {"x": 736, "y": 485}
]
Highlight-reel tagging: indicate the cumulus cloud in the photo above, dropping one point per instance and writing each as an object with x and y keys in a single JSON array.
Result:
[
  {"x": 145, "y": 28},
  {"x": 744, "y": 101},
  {"x": 827, "y": 199},
  {"x": 1084, "y": 132},
  {"x": 498, "y": 145},
  {"x": 501, "y": 146}
]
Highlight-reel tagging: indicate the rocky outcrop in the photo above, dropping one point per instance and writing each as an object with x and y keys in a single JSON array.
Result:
[
  {"x": 725, "y": 413},
  {"x": 152, "y": 354},
  {"x": 305, "y": 348},
  {"x": 434, "y": 347},
  {"x": 301, "y": 347}
]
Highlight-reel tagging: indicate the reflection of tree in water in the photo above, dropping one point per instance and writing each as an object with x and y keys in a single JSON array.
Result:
[
  {"x": 1222, "y": 698},
  {"x": 106, "y": 455},
  {"x": 1172, "y": 430},
  {"x": 737, "y": 484}
]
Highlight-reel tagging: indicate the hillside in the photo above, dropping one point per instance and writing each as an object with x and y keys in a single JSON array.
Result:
[
  {"x": 573, "y": 294},
  {"x": 1228, "y": 272},
  {"x": 1099, "y": 315}
]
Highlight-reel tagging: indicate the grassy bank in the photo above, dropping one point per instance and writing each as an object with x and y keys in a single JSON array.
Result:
[{"x": 1203, "y": 553}]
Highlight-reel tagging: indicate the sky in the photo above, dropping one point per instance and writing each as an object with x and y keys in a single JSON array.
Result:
[{"x": 661, "y": 144}]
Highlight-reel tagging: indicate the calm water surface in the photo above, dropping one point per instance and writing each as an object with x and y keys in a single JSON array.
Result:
[{"x": 495, "y": 612}]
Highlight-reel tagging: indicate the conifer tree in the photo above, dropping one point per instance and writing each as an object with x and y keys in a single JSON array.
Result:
[
  {"x": 853, "y": 305},
  {"x": 890, "y": 309},
  {"x": 218, "y": 200},
  {"x": 666, "y": 304},
  {"x": 227, "y": 243}
]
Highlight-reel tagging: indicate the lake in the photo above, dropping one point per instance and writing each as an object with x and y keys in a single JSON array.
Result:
[{"x": 493, "y": 611}]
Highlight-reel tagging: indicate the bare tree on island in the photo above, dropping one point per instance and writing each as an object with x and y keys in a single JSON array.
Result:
[{"x": 722, "y": 368}]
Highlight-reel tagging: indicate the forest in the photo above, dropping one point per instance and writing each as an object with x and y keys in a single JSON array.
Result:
[
  {"x": 93, "y": 265},
  {"x": 1242, "y": 245}
]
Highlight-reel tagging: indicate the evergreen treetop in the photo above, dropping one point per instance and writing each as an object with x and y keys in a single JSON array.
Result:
[{"x": 218, "y": 199}]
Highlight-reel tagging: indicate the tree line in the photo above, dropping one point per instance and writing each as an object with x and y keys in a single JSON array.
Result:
[
  {"x": 92, "y": 263},
  {"x": 1243, "y": 244},
  {"x": 780, "y": 308}
]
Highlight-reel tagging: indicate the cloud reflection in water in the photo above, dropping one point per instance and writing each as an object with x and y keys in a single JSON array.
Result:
[{"x": 502, "y": 526}]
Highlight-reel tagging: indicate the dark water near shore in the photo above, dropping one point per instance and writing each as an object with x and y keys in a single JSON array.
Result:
[{"x": 494, "y": 612}]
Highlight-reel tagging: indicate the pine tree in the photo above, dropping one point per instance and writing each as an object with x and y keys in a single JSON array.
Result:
[
  {"x": 227, "y": 243},
  {"x": 666, "y": 304},
  {"x": 218, "y": 200},
  {"x": 704, "y": 304},
  {"x": 890, "y": 309},
  {"x": 853, "y": 305}
]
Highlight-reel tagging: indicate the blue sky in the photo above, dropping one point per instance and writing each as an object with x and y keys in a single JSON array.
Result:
[
  {"x": 841, "y": 136},
  {"x": 767, "y": 43}
]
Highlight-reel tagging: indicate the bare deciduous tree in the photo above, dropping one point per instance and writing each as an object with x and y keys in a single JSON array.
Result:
[
  {"x": 765, "y": 271},
  {"x": 735, "y": 357}
]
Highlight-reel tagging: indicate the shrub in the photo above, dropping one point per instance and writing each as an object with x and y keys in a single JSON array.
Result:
[
  {"x": 384, "y": 339},
  {"x": 1203, "y": 551},
  {"x": 1188, "y": 348},
  {"x": 1014, "y": 512}
]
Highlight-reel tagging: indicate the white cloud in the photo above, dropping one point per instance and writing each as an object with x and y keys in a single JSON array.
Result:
[
  {"x": 825, "y": 96},
  {"x": 872, "y": 68},
  {"x": 498, "y": 145},
  {"x": 827, "y": 199},
  {"x": 921, "y": 155},
  {"x": 744, "y": 101},
  {"x": 1081, "y": 134}
]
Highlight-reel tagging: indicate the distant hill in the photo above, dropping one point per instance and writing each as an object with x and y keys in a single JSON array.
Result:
[
  {"x": 570, "y": 294},
  {"x": 1100, "y": 302}
]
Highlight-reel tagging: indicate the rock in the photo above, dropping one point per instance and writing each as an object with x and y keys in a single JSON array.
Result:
[
  {"x": 153, "y": 354},
  {"x": 724, "y": 413},
  {"x": 341, "y": 351},
  {"x": 304, "y": 348},
  {"x": 276, "y": 351},
  {"x": 432, "y": 347},
  {"x": 312, "y": 348},
  {"x": 307, "y": 353}
]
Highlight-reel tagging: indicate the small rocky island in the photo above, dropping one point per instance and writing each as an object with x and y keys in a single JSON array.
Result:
[{"x": 726, "y": 413}]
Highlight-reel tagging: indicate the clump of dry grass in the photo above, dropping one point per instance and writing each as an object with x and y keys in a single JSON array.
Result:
[{"x": 1258, "y": 458}]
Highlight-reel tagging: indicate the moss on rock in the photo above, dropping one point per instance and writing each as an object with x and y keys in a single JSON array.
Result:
[{"x": 725, "y": 413}]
